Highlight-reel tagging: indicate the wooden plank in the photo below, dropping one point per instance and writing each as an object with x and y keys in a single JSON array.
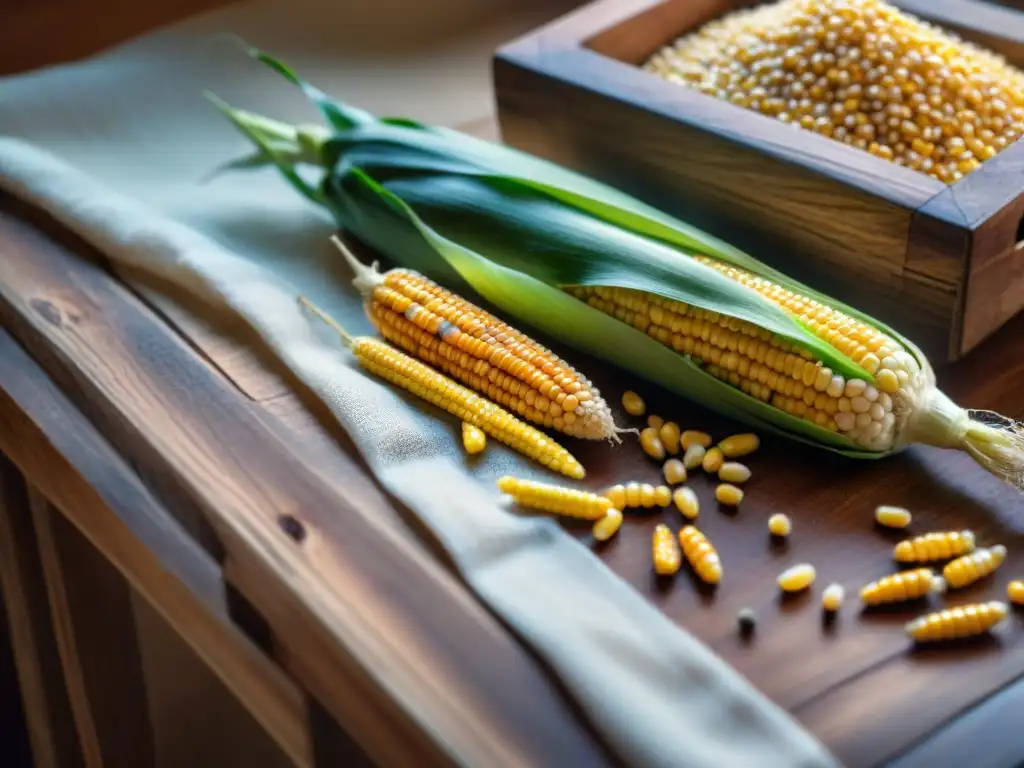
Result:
[
  {"x": 196, "y": 719},
  {"x": 61, "y": 451},
  {"x": 17, "y": 750},
  {"x": 422, "y": 661},
  {"x": 90, "y": 605},
  {"x": 51, "y": 729}
]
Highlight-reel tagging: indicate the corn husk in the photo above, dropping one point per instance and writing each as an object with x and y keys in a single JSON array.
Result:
[{"x": 517, "y": 231}]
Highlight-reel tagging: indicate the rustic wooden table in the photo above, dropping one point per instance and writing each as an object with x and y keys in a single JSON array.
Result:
[{"x": 197, "y": 569}]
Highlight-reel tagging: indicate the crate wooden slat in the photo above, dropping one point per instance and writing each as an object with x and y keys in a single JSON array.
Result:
[{"x": 942, "y": 264}]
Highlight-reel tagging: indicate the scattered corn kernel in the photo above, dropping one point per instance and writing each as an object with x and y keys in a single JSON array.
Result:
[
  {"x": 692, "y": 437},
  {"x": 729, "y": 495},
  {"x": 554, "y": 498},
  {"x": 686, "y": 502},
  {"x": 701, "y": 555},
  {"x": 665, "y": 551},
  {"x": 694, "y": 456},
  {"x": 973, "y": 567},
  {"x": 934, "y": 546},
  {"x": 1015, "y": 591},
  {"x": 651, "y": 443},
  {"x": 474, "y": 439},
  {"x": 608, "y": 525},
  {"x": 655, "y": 421},
  {"x": 669, "y": 434},
  {"x": 633, "y": 404},
  {"x": 638, "y": 495},
  {"x": 796, "y": 578},
  {"x": 713, "y": 460},
  {"x": 956, "y": 623},
  {"x": 832, "y": 597},
  {"x": 734, "y": 472},
  {"x": 739, "y": 445},
  {"x": 747, "y": 620},
  {"x": 892, "y": 517},
  {"x": 779, "y": 525},
  {"x": 674, "y": 471},
  {"x": 905, "y": 585}
]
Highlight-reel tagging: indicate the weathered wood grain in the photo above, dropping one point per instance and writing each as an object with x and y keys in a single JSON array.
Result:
[
  {"x": 57, "y": 448},
  {"x": 856, "y": 226},
  {"x": 91, "y": 611},
  {"x": 385, "y": 657},
  {"x": 51, "y": 730}
]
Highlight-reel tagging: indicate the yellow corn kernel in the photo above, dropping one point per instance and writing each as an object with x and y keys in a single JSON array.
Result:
[
  {"x": 669, "y": 434},
  {"x": 479, "y": 350},
  {"x": 608, "y": 525},
  {"x": 651, "y": 443},
  {"x": 779, "y": 525},
  {"x": 617, "y": 496},
  {"x": 905, "y": 585},
  {"x": 1015, "y": 591},
  {"x": 665, "y": 551},
  {"x": 633, "y": 404},
  {"x": 739, "y": 445},
  {"x": 694, "y": 456},
  {"x": 796, "y": 578},
  {"x": 553, "y": 498},
  {"x": 686, "y": 502},
  {"x": 701, "y": 555},
  {"x": 729, "y": 495},
  {"x": 403, "y": 371},
  {"x": 655, "y": 421},
  {"x": 674, "y": 471},
  {"x": 713, "y": 461},
  {"x": 474, "y": 440},
  {"x": 733, "y": 472},
  {"x": 692, "y": 437},
  {"x": 934, "y": 546},
  {"x": 893, "y": 517},
  {"x": 973, "y": 567},
  {"x": 957, "y": 623},
  {"x": 832, "y": 598},
  {"x": 632, "y": 495}
]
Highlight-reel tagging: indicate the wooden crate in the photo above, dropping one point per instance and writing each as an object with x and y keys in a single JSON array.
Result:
[{"x": 941, "y": 263}]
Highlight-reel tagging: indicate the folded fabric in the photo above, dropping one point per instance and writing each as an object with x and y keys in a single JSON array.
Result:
[{"x": 132, "y": 188}]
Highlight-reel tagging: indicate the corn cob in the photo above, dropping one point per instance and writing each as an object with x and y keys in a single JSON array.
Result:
[
  {"x": 553, "y": 498},
  {"x": 973, "y": 567},
  {"x": 638, "y": 495},
  {"x": 700, "y": 554},
  {"x": 413, "y": 376},
  {"x": 906, "y": 585},
  {"x": 479, "y": 350},
  {"x": 863, "y": 73},
  {"x": 550, "y": 246},
  {"x": 665, "y": 551},
  {"x": 956, "y": 623},
  {"x": 940, "y": 545}
]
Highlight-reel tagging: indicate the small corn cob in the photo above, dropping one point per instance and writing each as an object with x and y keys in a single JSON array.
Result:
[
  {"x": 608, "y": 525},
  {"x": 934, "y": 546},
  {"x": 665, "y": 551},
  {"x": 474, "y": 439},
  {"x": 479, "y": 350},
  {"x": 1015, "y": 592},
  {"x": 413, "y": 376},
  {"x": 638, "y": 495},
  {"x": 956, "y": 623},
  {"x": 973, "y": 567},
  {"x": 553, "y": 498},
  {"x": 906, "y": 585},
  {"x": 701, "y": 554}
]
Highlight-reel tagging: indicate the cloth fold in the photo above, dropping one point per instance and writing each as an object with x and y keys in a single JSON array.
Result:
[{"x": 247, "y": 246}]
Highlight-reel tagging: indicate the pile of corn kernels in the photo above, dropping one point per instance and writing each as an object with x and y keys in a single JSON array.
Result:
[
  {"x": 861, "y": 72},
  {"x": 685, "y": 451}
]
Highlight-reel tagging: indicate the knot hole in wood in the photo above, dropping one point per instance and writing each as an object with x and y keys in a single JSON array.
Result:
[{"x": 293, "y": 527}]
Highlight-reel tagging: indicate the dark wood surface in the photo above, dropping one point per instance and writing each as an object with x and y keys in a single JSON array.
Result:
[{"x": 857, "y": 226}]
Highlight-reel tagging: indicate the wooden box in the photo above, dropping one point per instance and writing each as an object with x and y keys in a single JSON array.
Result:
[{"x": 944, "y": 264}]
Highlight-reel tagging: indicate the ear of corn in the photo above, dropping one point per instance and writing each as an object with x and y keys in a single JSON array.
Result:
[
  {"x": 410, "y": 374},
  {"x": 616, "y": 278}
]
